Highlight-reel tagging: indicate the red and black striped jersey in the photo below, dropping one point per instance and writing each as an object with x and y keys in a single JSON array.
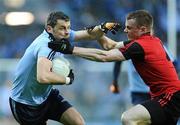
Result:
[{"x": 153, "y": 64}]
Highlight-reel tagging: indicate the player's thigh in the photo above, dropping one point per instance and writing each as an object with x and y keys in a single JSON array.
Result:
[
  {"x": 28, "y": 115},
  {"x": 137, "y": 114},
  {"x": 72, "y": 117}
]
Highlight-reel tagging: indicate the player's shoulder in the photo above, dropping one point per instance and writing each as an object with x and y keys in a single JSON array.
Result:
[
  {"x": 40, "y": 43},
  {"x": 41, "y": 40}
]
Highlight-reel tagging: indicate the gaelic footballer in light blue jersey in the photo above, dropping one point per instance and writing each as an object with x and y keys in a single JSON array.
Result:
[
  {"x": 26, "y": 88},
  {"x": 33, "y": 100}
]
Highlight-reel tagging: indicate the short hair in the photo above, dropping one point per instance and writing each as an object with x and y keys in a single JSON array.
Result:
[
  {"x": 54, "y": 16},
  {"x": 142, "y": 17}
]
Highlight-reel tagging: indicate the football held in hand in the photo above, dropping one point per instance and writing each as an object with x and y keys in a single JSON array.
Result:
[{"x": 61, "y": 66}]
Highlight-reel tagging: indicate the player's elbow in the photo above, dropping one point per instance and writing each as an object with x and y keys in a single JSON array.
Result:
[{"x": 42, "y": 79}]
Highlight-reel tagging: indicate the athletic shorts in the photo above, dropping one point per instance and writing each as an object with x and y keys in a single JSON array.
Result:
[
  {"x": 52, "y": 108},
  {"x": 165, "y": 109},
  {"x": 139, "y": 97}
]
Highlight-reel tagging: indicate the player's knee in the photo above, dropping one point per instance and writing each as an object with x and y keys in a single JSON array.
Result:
[
  {"x": 125, "y": 119},
  {"x": 72, "y": 117}
]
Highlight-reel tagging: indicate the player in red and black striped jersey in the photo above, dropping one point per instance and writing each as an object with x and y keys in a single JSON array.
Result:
[{"x": 153, "y": 65}]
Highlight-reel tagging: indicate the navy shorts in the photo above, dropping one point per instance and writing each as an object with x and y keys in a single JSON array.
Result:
[
  {"x": 52, "y": 108},
  {"x": 165, "y": 109},
  {"x": 139, "y": 97}
]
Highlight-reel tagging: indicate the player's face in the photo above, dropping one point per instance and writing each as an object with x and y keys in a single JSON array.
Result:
[
  {"x": 132, "y": 30},
  {"x": 61, "y": 29}
]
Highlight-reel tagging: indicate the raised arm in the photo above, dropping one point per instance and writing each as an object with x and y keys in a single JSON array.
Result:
[
  {"x": 108, "y": 43},
  {"x": 85, "y": 35},
  {"x": 88, "y": 53},
  {"x": 96, "y": 32}
]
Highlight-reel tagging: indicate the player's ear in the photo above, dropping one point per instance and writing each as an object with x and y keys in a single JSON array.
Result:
[
  {"x": 143, "y": 29},
  {"x": 49, "y": 29}
]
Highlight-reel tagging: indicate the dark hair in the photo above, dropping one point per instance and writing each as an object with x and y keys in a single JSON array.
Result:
[
  {"x": 142, "y": 17},
  {"x": 54, "y": 16}
]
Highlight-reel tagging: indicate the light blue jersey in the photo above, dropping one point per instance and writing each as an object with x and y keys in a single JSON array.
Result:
[
  {"x": 26, "y": 89},
  {"x": 135, "y": 81}
]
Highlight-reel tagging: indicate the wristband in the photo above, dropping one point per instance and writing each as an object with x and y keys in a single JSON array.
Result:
[
  {"x": 119, "y": 45},
  {"x": 67, "y": 80},
  {"x": 100, "y": 28}
]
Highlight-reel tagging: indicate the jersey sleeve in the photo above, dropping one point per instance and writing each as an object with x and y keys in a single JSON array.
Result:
[
  {"x": 133, "y": 51},
  {"x": 72, "y": 36},
  {"x": 43, "y": 51}
]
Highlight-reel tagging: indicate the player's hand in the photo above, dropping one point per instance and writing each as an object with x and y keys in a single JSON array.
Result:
[
  {"x": 90, "y": 28},
  {"x": 63, "y": 46},
  {"x": 114, "y": 88},
  {"x": 71, "y": 76},
  {"x": 110, "y": 26}
]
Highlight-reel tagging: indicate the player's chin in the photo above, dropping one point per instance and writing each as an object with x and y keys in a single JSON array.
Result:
[
  {"x": 66, "y": 36},
  {"x": 62, "y": 37}
]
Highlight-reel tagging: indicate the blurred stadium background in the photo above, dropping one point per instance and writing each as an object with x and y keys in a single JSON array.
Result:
[{"x": 90, "y": 92}]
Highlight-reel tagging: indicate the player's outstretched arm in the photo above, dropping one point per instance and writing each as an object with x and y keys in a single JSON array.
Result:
[
  {"x": 108, "y": 43},
  {"x": 88, "y": 53},
  {"x": 96, "y": 32},
  {"x": 98, "y": 55}
]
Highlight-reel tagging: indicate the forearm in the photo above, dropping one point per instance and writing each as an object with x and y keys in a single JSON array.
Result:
[
  {"x": 93, "y": 34},
  {"x": 89, "y": 53},
  {"x": 98, "y": 55},
  {"x": 96, "y": 32},
  {"x": 107, "y": 43},
  {"x": 56, "y": 79},
  {"x": 52, "y": 78}
]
